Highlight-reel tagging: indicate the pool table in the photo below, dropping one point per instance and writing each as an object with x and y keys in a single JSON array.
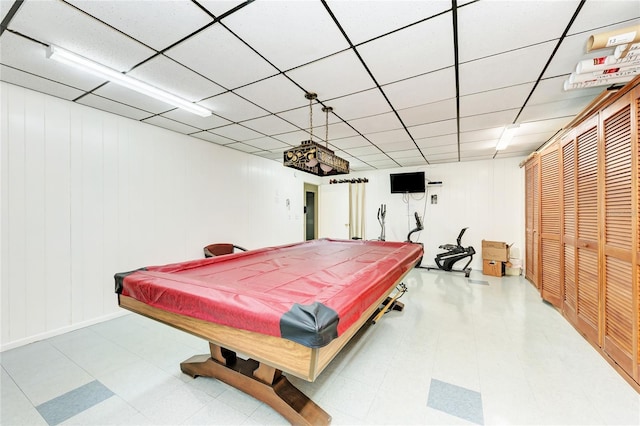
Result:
[{"x": 289, "y": 308}]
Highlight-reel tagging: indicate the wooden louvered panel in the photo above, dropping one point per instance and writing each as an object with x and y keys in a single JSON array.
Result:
[
  {"x": 570, "y": 278},
  {"x": 619, "y": 302},
  {"x": 568, "y": 189},
  {"x": 587, "y": 191},
  {"x": 531, "y": 219},
  {"x": 588, "y": 300},
  {"x": 550, "y": 279},
  {"x": 619, "y": 311},
  {"x": 618, "y": 180},
  {"x": 550, "y": 193}
]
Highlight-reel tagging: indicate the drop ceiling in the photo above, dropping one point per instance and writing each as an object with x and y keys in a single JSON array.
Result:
[{"x": 410, "y": 82}]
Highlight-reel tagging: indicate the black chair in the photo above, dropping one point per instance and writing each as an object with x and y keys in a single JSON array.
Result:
[{"x": 220, "y": 249}]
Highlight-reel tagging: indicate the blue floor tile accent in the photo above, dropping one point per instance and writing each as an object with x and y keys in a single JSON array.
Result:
[
  {"x": 478, "y": 282},
  {"x": 73, "y": 402},
  {"x": 455, "y": 400}
]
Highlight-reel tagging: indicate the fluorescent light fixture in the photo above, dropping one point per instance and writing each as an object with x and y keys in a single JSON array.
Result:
[
  {"x": 507, "y": 135},
  {"x": 87, "y": 65}
]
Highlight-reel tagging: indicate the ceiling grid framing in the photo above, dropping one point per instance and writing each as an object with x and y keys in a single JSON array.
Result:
[{"x": 417, "y": 71}]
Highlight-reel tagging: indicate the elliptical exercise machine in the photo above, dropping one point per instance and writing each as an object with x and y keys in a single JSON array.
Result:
[{"x": 453, "y": 253}]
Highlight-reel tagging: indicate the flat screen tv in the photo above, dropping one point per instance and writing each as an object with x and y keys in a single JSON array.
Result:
[{"x": 407, "y": 182}]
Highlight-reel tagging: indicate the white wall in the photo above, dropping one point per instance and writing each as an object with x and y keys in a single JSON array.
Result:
[
  {"x": 86, "y": 194},
  {"x": 485, "y": 196}
]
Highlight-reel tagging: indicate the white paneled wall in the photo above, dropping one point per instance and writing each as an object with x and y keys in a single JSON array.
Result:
[
  {"x": 86, "y": 194},
  {"x": 485, "y": 196}
]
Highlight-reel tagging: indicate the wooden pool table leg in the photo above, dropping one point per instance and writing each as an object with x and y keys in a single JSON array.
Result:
[{"x": 259, "y": 380}]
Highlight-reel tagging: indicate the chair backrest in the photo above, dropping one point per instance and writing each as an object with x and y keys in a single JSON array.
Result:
[{"x": 219, "y": 249}]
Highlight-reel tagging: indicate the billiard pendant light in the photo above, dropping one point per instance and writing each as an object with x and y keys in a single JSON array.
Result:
[{"x": 310, "y": 156}]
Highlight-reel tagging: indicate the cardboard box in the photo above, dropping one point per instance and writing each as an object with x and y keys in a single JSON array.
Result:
[
  {"x": 513, "y": 271},
  {"x": 495, "y": 250},
  {"x": 493, "y": 267}
]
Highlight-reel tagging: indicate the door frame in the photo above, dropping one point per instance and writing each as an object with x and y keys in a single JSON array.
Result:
[{"x": 310, "y": 187}]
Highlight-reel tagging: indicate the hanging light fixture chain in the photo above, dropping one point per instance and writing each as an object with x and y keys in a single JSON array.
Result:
[
  {"x": 311, "y": 97},
  {"x": 326, "y": 110}
]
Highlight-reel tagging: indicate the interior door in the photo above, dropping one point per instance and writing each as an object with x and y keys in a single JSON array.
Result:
[
  {"x": 618, "y": 234},
  {"x": 532, "y": 172},
  {"x": 333, "y": 211},
  {"x": 587, "y": 235},
  {"x": 570, "y": 293},
  {"x": 550, "y": 284}
]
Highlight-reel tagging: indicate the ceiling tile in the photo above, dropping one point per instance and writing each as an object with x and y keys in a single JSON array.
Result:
[
  {"x": 571, "y": 51},
  {"x": 442, "y": 158},
  {"x": 269, "y": 125},
  {"x": 596, "y": 14},
  {"x": 495, "y": 100},
  {"x": 337, "y": 131},
  {"x": 389, "y": 136},
  {"x": 108, "y": 105},
  {"x": 236, "y": 132},
  {"x": 401, "y": 146},
  {"x": 358, "y": 105},
  {"x": 445, "y": 140},
  {"x": 220, "y": 7},
  {"x": 221, "y": 57},
  {"x": 356, "y": 17},
  {"x": 338, "y": 75},
  {"x": 348, "y": 143},
  {"x": 233, "y": 107},
  {"x": 33, "y": 82},
  {"x": 541, "y": 126},
  {"x": 507, "y": 69},
  {"x": 383, "y": 164},
  {"x": 211, "y": 137},
  {"x": 274, "y": 94},
  {"x": 377, "y": 123},
  {"x": 439, "y": 128},
  {"x": 194, "y": 120},
  {"x": 435, "y": 111},
  {"x": 371, "y": 158},
  {"x": 363, "y": 150},
  {"x": 148, "y": 22},
  {"x": 558, "y": 109},
  {"x": 421, "y": 48},
  {"x": 293, "y": 138},
  {"x": 174, "y": 78},
  {"x": 42, "y": 20},
  {"x": 243, "y": 147},
  {"x": 307, "y": 27},
  {"x": 492, "y": 27},
  {"x": 481, "y": 135},
  {"x": 268, "y": 144},
  {"x": 167, "y": 123},
  {"x": 29, "y": 56},
  {"x": 551, "y": 90},
  {"x": 485, "y": 121},
  {"x": 407, "y": 153},
  {"x": 413, "y": 161},
  {"x": 440, "y": 149},
  {"x": 421, "y": 90},
  {"x": 5, "y": 6},
  {"x": 132, "y": 98},
  {"x": 300, "y": 117}
]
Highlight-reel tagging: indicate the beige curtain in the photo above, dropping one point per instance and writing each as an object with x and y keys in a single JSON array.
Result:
[{"x": 356, "y": 210}]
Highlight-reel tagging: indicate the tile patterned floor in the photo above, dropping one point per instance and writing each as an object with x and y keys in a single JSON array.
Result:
[{"x": 459, "y": 353}]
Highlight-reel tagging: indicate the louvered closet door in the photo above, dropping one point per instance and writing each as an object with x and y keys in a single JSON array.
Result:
[
  {"x": 550, "y": 285},
  {"x": 570, "y": 294},
  {"x": 636, "y": 181},
  {"x": 587, "y": 229},
  {"x": 618, "y": 234},
  {"x": 532, "y": 197}
]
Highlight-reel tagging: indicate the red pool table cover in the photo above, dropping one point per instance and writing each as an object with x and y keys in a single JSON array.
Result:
[{"x": 308, "y": 292}]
